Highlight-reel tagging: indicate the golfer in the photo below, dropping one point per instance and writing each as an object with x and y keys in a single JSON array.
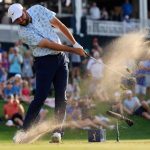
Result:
[{"x": 51, "y": 64}]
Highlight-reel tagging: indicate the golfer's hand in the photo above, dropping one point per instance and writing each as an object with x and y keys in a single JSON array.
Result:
[{"x": 80, "y": 52}]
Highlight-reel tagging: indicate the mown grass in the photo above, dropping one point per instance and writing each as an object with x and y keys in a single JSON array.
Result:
[
  {"x": 79, "y": 145},
  {"x": 140, "y": 130}
]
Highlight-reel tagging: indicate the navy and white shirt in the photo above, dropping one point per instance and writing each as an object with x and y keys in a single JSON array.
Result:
[{"x": 40, "y": 28}]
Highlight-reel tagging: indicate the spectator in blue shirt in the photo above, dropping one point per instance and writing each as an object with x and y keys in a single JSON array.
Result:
[
  {"x": 16, "y": 88},
  {"x": 145, "y": 66},
  {"x": 8, "y": 90},
  {"x": 127, "y": 9},
  {"x": 140, "y": 87}
]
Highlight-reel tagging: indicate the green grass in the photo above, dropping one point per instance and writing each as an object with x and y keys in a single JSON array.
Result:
[
  {"x": 130, "y": 137},
  {"x": 79, "y": 145}
]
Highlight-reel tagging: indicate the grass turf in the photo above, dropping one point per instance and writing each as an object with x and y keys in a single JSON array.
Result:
[
  {"x": 135, "y": 137},
  {"x": 79, "y": 145}
]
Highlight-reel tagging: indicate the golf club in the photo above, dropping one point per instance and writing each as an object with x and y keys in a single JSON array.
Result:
[{"x": 121, "y": 117}]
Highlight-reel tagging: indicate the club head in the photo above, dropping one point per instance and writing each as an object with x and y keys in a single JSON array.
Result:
[{"x": 129, "y": 122}]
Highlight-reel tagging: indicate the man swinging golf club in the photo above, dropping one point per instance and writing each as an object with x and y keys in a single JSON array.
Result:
[{"x": 51, "y": 64}]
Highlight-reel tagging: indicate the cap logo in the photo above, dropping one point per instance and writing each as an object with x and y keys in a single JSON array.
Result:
[{"x": 12, "y": 14}]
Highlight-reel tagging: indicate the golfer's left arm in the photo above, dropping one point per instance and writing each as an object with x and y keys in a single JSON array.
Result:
[{"x": 58, "y": 24}]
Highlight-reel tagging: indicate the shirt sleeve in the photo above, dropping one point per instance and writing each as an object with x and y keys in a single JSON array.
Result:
[
  {"x": 46, "y": 13},
  {"x": 30, "y": 37}
]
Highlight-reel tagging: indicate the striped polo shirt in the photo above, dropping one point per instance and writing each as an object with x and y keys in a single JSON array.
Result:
[{"x": 38, "y": 29}]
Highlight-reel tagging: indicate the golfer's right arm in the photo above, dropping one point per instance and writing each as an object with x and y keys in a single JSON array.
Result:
[
  {"x": 33, "y": 39},
  {"x": 45, "y": 43}
]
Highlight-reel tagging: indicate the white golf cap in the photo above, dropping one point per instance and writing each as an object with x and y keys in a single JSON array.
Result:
[
  {"x": 15, "y": 11},
  {"x": 17, "y": 75}
]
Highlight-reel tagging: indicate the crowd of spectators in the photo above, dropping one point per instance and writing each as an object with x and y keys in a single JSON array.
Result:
[
  {"x": 93, "y": 11},
  {"x": 80, "y": 115},
  {"x": 134, "y": 100},
  {"x": 130, "y": 104},
  {"x": 17, "y": 85},
  {"x": 17, "y": 77},
  {"x": 117, "y": 13}
]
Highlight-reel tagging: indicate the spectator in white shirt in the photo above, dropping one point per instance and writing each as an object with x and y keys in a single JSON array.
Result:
[
  {"x": 96, "y": 67},
  {"x": 133, "y": 106},
  {"x": 96, "y": 70},
  {"x": 95, "y": 11}
]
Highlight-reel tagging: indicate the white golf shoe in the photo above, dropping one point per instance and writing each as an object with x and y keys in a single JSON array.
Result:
[
  {"x": 19, "y": 136},
  {"x": 56, "y": 138}
]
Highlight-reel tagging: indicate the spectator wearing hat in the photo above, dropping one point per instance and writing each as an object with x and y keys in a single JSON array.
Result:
[{"x": 133, "y": 106}]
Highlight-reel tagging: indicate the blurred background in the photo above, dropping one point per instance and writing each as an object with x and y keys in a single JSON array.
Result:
[{"x": 86, "y": 18}]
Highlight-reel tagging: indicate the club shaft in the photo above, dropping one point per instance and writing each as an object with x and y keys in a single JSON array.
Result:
[{"x": 117, "y": 72}]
